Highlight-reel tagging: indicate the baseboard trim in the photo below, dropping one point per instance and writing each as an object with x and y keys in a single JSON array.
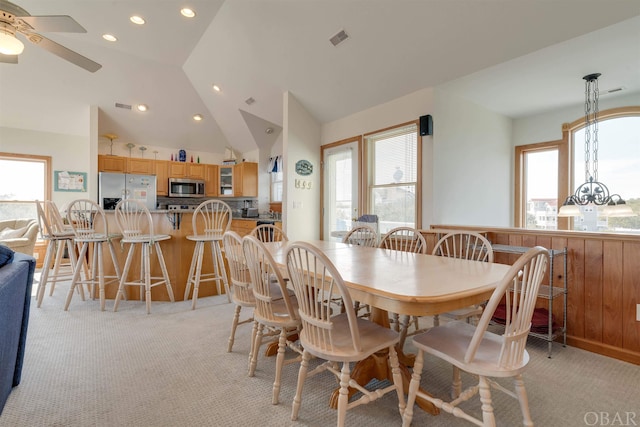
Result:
[{"x": 605, "y": 350}]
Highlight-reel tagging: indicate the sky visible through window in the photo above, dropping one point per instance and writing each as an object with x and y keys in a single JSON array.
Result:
[{"x": 29, "y": 186}]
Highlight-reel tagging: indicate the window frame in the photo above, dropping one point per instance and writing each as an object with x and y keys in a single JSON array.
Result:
[{"x": 366, "y": 168}]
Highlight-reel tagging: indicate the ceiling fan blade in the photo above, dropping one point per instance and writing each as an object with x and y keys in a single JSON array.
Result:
[
  {"x": 53, "y": 24},
  {"x": 9, "y": 59},
  {"x": 64, "y": 53}
]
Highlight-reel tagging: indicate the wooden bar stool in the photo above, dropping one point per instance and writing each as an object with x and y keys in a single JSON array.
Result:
[
  {"x": 90, "y": 227},
  {"x": 58, "y": 237},
  {"x": 136, "y": 225},
  {"x": 211, "y": 220}
]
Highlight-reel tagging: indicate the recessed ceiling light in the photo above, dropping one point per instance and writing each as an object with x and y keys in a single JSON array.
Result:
[
  {"x": 249, "y": 101},
  {"x": 142, "y": 107},
  {"x": 189, "y": 13},
  {"x": 137, "y": 19},
  {"x": 109, "y": 37},
  {"x": 216, "y": 88},
  {"x": 268, "y": 131},
  {"x": 197, "y": 117}
]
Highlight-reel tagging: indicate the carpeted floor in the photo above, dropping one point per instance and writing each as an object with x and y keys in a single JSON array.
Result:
[{"x": 171, "y": 368}]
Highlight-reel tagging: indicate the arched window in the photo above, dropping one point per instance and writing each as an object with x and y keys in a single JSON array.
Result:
[{"x": 546, "y": 173}]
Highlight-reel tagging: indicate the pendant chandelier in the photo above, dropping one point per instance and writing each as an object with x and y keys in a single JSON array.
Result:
[{"x": 592, "y": 191}]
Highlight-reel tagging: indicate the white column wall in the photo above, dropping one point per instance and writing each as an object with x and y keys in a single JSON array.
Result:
[{"x": 301, "y": 140}]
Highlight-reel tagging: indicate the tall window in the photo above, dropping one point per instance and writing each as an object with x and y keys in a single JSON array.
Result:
[
  {"x": 539, "y": 204},
  {"x": 23, "y": 179},
  {"x": 276, "y": 178},
  {"x": 393, "y": 162}
]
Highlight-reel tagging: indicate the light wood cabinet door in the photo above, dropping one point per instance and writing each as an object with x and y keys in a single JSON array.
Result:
[
  {"x": 162, "y": 177},
  {"x": 211, "y": 180},
  {"x": 177, "y": 170},
  {"x": 108, "y": 163},
  {"x": 140, "y": 166},
  {"x": 246, "y": 179},
  {"x": 196, "y": 171}
]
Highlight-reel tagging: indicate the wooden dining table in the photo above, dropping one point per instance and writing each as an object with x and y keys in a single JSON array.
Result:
[{"x": 404, "y": 283}]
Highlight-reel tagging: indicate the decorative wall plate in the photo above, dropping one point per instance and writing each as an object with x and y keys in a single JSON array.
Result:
[{"x": 304, "y": 167}]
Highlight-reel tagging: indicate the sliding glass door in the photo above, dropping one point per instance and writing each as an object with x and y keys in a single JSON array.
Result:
[{"x": 340, "y": 189}]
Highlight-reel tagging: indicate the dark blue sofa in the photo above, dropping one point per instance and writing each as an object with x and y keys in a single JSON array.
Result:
[{"x": 16, "y": 279}]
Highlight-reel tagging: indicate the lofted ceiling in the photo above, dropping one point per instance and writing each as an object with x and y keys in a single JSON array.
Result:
[{"x": 515, "y": 57}]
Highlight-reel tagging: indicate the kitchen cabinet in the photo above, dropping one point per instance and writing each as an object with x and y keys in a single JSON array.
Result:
[
  {"x": 225, "y": 181},
  {"x": 162, "y": 177},
  {"x": 211, "y": 180},
  {"x": 245, "y": 175},
  {"x": 140, "y": 166},
  {"x": 112, "y": 164},
  {"x": 186, "y": 170},
  {"x": 196, "y": 171},
  {"x": 107, "y": 163}
]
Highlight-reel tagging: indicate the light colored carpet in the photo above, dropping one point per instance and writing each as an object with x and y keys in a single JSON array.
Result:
[{"x": 171, "y": 368}]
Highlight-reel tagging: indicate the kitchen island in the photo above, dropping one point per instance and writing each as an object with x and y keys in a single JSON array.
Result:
[{"x": 177, "y": 253}]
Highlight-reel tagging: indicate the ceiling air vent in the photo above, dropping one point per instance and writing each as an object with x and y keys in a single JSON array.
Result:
[
  {"x": 125, "y": 106},
  {"x": 339, "y": 38},
  {"x": 614, "y": 90}
]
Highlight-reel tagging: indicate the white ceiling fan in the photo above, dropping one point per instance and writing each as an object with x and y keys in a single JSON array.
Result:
[{"x": 14, "y": 19}]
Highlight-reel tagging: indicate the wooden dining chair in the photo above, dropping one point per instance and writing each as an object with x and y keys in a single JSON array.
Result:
[
  {"x": 269, "y": 233},
  {"x": 404, "y": 239},
  {"x": 463, "y": 245},
  {"x": 240, "y": 285},
  {"x": 89, "y": 223},
  {"x": 211, "y": 219},
  {"x": 340, "y": 337},
  {"x": 275, "y": 312},
  {"x": 362, "y": 235},
  {"x": 482, "y": 353}
]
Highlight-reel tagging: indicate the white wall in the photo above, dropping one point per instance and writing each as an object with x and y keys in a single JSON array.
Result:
[
  {"x": 400, "y": 110},
  {"x": 467, "y": 163},
  {"x": 68, "y": 152},
  {"x": 301, "y": 140},
  {"x": 472, "y": 164},
  {"x": 548, "y": 126}
]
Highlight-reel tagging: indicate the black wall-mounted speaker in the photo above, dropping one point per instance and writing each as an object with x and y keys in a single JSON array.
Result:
[{"x": 426, "y": 125}]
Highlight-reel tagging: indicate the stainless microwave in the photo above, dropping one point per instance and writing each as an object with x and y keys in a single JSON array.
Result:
[{"x": 180, "y": 187}]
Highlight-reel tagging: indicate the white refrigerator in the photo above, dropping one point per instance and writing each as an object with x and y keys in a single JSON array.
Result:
[{"x": 113, "y": 187}]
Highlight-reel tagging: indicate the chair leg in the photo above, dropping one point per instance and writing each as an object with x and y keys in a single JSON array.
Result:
[
  {"x": 116, "y": 264},
  {"x": 146, "y": 249},
  {"x": 254, "y": 333},
  {"x": 488, "y": 417},
  {"x": 200, "y": 246},
  {"x": 397, "y": 378},
  {"x": 103, "y": 298},
  {"x": 413, "y": 389},
  {"x": 253, "y": 360},
  {"x": 456, "y": 383},
  {"x": 220, "y": 271},
  {"x": 524, "y": 402},
  {"x": 192, "y": 269},
  {"x": 123, "y": 278},
  {"x": 165, "y": 273},
  {"x": 60, "y": 245},
  {"x": 234, "y": 326},
  {"x": 282, "y": 345},
  {"x": 343, "y": 398},
  {"x": 302, "y": 375},
  {"x": 76, "y": 276},
  {"x": 48, "y": 258}
]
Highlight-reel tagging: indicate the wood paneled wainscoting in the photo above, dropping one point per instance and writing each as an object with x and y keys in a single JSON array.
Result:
[{"x": 603, "y": 284}]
